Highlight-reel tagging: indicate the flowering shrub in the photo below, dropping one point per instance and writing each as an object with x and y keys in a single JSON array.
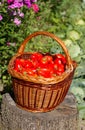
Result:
[
  {"x": 13, "y": 14},
  {"x": 18, "y": 18},
  {"x": 14, "y": 8}
]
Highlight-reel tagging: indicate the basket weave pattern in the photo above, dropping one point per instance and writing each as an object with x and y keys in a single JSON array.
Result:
[
  {"x": 38, "y": 97},
  {"x": 38, "y": 94}
]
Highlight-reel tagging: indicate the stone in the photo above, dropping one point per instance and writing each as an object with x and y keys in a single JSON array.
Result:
[{"x": 63, "y": 117}]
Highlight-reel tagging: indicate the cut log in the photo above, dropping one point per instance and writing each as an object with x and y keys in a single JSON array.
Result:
[{"x": 63, "y": 117}]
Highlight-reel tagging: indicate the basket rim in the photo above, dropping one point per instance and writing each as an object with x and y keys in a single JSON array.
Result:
[{"x": 37, "y": 79}]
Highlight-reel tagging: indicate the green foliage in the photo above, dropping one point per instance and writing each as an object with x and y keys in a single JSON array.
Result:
[
  {"x": 11, "y": 36},
  {"x": 63, "y": 18}
]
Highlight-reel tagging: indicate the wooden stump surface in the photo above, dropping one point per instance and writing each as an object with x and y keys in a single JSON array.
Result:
[{"x": 63, "y": 117}]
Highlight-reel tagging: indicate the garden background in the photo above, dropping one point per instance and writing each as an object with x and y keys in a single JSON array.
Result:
[{"x": 64, "y": 18}]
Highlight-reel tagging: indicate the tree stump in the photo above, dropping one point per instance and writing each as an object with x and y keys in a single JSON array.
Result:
[{"x": 63, "y": 117}]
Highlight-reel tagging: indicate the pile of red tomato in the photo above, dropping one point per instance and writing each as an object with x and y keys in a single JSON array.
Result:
[{"x": 41, "y": 65}]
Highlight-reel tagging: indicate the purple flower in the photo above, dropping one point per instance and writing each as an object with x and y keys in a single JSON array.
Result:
[
  {"x": 19, "y": 3},
  {"x": 17, "y": 21},
  {"x": 14, "y": 1},
  {"x": 21, "y": 14},
  {"x": 28, "y": 3},
  {"x": 10, "y": 1},
  {"x": 16, "y": 5},
  {"x": 1, "y": 17}
]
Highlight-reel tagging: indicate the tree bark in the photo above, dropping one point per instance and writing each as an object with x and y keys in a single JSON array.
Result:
[{"x": 63, "y": 117}]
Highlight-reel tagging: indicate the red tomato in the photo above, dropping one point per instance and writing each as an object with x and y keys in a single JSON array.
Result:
[
  {"x": 58, "y": 72},
  {"x": 31, "y": 71},
  {"x": 35, "y": 64},
  {"x": 45, "y": 72},
  {"x": 17, "y": 65},
  {"x": 62, "y": 57},
  {"x": 50, "y": 65},
  {"x": 27, "y": 64},
  {"x": 57, "y": 61},
  {"x": 41, "y": 65},
  {"x": 36, "y": 56},
  {"x": 45, "y": 60},
  {"x": 58, "y": 69},
  {"x": 48, "y": 58},
  {"x": 61, "y": 68},
  {"x": 55, "y": 66}
]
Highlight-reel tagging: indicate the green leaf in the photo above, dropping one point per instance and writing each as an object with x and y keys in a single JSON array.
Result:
[
  {"x": 81, "y": 106},
  {"x": 77, "y": 90},
  {"x": 74, "y": 35},
  {"x": 82, "y": 113},
  {"x": 68, "y": 42},
  {"x": 80, "y": 70},
  {"x": 80, "y": 22},
  {"x": 74, "y": 50}
]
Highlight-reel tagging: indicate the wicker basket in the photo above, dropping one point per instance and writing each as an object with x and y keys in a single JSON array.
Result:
[{"x": 39, "y": 94}]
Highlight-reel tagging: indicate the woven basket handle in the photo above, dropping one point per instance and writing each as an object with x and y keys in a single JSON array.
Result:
[{"x": 22, "y": 47}]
